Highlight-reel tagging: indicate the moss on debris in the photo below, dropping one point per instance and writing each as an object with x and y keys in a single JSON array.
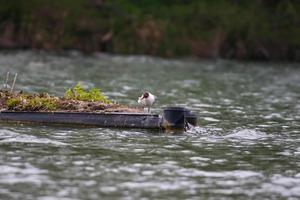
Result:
[{"x": 75, "y": 100}]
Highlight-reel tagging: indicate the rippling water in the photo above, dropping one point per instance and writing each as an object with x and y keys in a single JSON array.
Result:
[{"x": 247, "y": 145}]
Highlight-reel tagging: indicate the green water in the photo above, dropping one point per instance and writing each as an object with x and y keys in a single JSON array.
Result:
[{"x": 247, "y": 145}]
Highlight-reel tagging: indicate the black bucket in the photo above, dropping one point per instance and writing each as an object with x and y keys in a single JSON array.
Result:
[
  {"x": 190, "y": 117},
  {"x": 174, "y": 118}
]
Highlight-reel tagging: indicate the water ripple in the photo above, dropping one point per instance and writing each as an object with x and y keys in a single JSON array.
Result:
[
  {"x": 7, "y": 137},
  {"x": 245, "y": 147}
]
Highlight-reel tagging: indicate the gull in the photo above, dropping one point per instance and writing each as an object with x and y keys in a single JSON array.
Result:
[{"x": 147, "y": 99}]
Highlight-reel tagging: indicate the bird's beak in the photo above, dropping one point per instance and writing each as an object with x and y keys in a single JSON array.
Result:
[{"x": 140, "y": 99}]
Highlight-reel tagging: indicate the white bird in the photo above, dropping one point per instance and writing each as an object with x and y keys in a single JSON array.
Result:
[{"x": 147, "y": 99}]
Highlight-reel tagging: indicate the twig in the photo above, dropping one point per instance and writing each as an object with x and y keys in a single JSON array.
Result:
[
  {"x": 6, "y": 81},
  {"x": 13, "y": 85}
]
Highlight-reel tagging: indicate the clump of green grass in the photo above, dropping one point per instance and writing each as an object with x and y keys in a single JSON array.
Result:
[
  {"x": 31, "y": 103},
  {"x": 78, "y": 93},
  {"x": 40, "y": 103},
  {"x": 13, "y": 102}
]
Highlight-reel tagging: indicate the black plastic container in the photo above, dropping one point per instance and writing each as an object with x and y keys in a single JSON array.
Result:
[
  {"x": 190, "y": 117},
  {"x": 178, "y": 118},
  {"x": 174, "y": 118}
]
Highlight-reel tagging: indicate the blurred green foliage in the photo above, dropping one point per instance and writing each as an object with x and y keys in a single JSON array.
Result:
[
  {"x": 157, "y": 27},
  {"x": 78, "y": 93}
]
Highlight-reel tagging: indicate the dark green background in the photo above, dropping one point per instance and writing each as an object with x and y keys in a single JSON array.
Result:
[{"x": 257, "y": 29}]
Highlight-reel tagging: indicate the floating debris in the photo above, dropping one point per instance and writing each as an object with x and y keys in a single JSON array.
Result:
[{"x": 75, "y": 99}]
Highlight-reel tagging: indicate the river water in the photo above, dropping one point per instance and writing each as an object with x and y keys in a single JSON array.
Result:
[{"x": 247, "y": 145}]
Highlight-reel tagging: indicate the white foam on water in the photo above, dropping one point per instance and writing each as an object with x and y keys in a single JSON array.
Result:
[
  {"x": 23, "y": 174},
  {"x": 273, "y": 116},
  {"x": 237, "y": 174},
  {"x": 247, "y": 134},
  {"x": 159, "y": 185},
  {"x": 285, "y": 186},
  {"x": 203, "y": 105},
  {"x": 210, "y": 119}
]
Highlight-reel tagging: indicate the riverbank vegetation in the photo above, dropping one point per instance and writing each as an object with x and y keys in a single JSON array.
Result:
[
  {"x": 75, "y": 99},
  {"x": 258, "y": 29}
]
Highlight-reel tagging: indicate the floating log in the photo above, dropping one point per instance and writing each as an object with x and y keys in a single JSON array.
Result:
[
  {"x": 120, "y": 120},
  {"x": 173, "y": 118}
]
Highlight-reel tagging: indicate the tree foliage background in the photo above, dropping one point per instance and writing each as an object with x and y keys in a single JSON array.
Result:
[{"x": 243, "y": 29}]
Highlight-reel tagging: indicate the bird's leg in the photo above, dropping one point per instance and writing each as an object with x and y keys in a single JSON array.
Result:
[{"x": 148, "y": 109}]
